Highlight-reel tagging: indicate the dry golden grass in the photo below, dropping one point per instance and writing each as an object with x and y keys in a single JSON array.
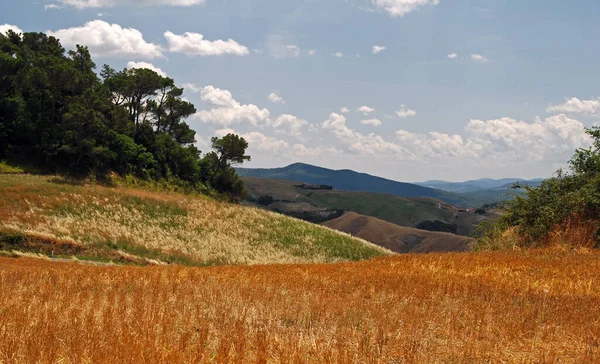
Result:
[
  {"x": 489, "y": 307},
  {"x": 199, "y": 229}
]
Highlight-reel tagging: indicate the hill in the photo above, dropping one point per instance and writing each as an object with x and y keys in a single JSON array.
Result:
[
  {"x": 347, "y": 180},
  {"x": 479, "y": 185},
  {"x": 321, "y": 205},
  {"x": 399, "y": 239},
  {"x": 42, "y": 214}
]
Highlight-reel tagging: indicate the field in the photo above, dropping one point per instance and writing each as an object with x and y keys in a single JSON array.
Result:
[
  {"x": 44, "y": 214},
  {"x": 399, "y": 239},
  {"x": 514, "y": 307}
]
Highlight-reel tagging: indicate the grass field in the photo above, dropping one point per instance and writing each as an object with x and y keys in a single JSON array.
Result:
[
  {"x": 45, "y": 214},
  {"x": 516, "y": 307}
]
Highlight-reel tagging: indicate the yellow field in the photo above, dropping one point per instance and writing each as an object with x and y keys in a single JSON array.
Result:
[{"x": 515, "y": 307}]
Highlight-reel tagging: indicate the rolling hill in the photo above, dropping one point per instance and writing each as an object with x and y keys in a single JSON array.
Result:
[
  {"x": 347, "y": 180},
  {"x": 399, "y": 239},
  {"x": 479, "y": 185},
  {"x": 50, "y": 216}
]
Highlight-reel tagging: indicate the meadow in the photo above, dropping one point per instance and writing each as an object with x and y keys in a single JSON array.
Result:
[
  {"x": 536, "y": 306},
  {"x": 42, "y": 214}
]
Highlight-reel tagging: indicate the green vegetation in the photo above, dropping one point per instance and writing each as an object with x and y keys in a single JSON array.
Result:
[
  {"x": 58, "y": 115},
  {"x": 49, "y": 216},
  {"x": 562, "y": 210}
]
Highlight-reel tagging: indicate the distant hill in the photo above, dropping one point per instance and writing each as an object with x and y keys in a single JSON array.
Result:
[
  {"x": 348, "y": 180},
  {"x": 399, "y": 239},
  {"x": 483, "y": 184}
]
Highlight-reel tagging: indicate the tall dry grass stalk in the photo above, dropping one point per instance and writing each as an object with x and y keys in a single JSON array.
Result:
[{"x": 502, "y": 307}]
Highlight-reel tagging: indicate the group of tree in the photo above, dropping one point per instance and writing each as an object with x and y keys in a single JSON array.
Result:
[
  {"x": 57, "y": 112},
  {"x": 564, "y": 209}
]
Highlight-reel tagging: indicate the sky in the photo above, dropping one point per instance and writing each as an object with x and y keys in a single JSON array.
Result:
[{"x": 409, "y": 90}]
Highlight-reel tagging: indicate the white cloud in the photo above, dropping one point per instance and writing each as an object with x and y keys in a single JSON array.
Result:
[
  {"x": 405, "y": 113},
  {"x": 479, "y": 58},
  {"x": 194, "y": 44},
  {"x": 576, "y": 106},
  {"x": 275, "y": 98},
  {"x": 338, "y": 54},
  {"x": 51, "y": 7},
  {"x": 257, "y": 51},
  {"x": 399, "y": 8},
  {"x": 6, "y": 27},
  {"x": 359, "y": 143},
  {"x": 109, "y": 40},
  {"x": 374, "y": 122},
  {"x": 312, "y": 52},
  {"x": 280, "y": 50},
  {"x": 147, "y": 65},
  {"x": 263, "y": 143},
  {"x": 300, "y": 150},
  {"x": 503, "y": 141},
  {"x": 191, "y": 87},
  {"x": 377, "y": 49},
  {"x": 452, "y": 56},
  {"x": 289, "y": 124},
  {"x": 82, "y": 4},
  {"x": 227, "y": 111},
  {"x": 365, "y": 110},
  {"x": 344, "y": 110}
]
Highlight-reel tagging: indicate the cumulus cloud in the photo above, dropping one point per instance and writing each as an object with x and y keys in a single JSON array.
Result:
[
  {"x": 191, "y": 87},
  {"x": 147, "y": 65},
  {"x": 275, "y": 98},
  {"x": 377, "y": 49},
  {"x": 479, "y": 58},
  {"x": 405, "y": 113},
  {"x": 452, "y": 56},
  {"x": 312, "y": 52},
  {"x": 365, "y": 110},
  {"x": 356, "y": 142},
  {"x": 576, "y": 106},
  {"x": 51, "y": 7},
  {"x": 289, "y": 124},
  {"x": 374, "y": 122},
  {"x": 108, "y": 40},
  {"x": 227, "y": 111},
  {"x": 338, "y": 54},
  {"x": 83, "y": 4},
  {"x": 344, "y": 110},
  {"x": 399, "y": 8},
  {"x": 263, "y": 143},
  {"x": 6, "y": 27},
  {"x": 194, "y": 44},
  {"x": 502, "y": 140}
]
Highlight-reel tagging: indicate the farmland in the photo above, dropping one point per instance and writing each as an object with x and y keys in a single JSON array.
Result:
[{"x": 533, "y": 306}]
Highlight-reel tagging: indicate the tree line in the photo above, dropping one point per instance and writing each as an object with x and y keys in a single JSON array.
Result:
[{"x": 57, "y": 112}]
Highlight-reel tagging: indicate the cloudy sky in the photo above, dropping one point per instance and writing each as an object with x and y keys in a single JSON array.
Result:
[{"x": 406, "y": 89}]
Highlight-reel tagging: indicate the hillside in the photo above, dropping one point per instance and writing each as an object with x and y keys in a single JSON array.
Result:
[
  {"x": 347, "y": 180},
  {"x": 484, "y": 184},
  {"x": 40, "y": 214},
  {"x": 399, "y": 239},
  {"x": 403, "y": 211}
]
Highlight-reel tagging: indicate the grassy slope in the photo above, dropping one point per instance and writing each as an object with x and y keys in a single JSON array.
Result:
[
  {"x": 399, "y": 239},
  {"x": 135, "y": 225},
  {"x": 502, "y": 307},
  {"x": 397, "y": 210}
]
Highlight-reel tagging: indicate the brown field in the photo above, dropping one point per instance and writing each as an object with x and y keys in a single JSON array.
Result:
[
  {"x": 515, "y": 307},
  {"x": 399, "y": 239}
]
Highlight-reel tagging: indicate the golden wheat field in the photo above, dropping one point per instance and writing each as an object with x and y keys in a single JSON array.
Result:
[{"x": 515, "y": 307}]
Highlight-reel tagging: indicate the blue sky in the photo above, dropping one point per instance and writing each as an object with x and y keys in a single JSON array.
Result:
[{"x": 462, "y": 88}]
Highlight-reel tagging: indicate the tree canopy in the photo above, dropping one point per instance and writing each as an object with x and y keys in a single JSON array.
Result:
[{"x": 56, "y": 112}]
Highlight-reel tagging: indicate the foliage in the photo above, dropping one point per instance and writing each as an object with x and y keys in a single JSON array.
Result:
[
  {"x": 57, "y": 113},
  {"x": 552, "y": 208}
]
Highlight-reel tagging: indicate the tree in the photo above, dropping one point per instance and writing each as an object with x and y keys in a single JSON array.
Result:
[{"x": 230, "y": 149}]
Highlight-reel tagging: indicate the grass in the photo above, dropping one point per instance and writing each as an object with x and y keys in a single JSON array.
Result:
[
  {"x": 537, "y": 306},
  {"x": 138, "y": 226},
  {"x": 9, "y": 169}
]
